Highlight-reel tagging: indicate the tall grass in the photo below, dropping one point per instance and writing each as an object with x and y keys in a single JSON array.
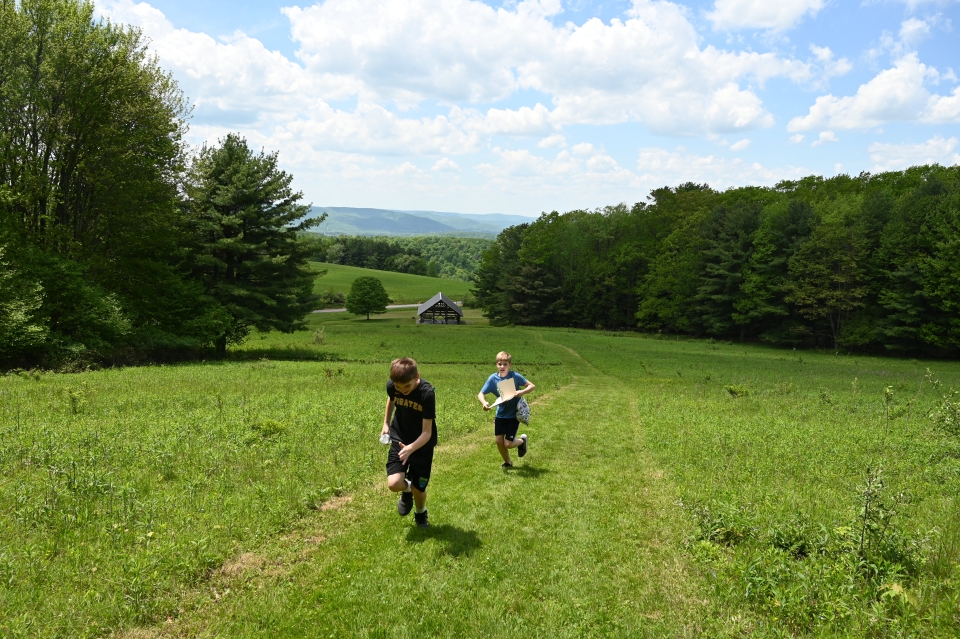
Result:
[{"x": 819, "y": 499}]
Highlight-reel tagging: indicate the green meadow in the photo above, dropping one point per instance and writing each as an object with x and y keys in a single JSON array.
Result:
[
  {"x": 403, "y": 288},
  {"x": 672, "y": 489}
]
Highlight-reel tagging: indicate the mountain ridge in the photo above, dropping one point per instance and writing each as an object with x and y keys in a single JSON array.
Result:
[{"x": 344, "y": 220}]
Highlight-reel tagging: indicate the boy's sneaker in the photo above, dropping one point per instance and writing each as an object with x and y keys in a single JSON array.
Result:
[
  {"x": 506, "y": 465},
  {"x": 522, "y": 448},
  {"x": 405, "y": 505},
  {"x": 421, "y": 519}
]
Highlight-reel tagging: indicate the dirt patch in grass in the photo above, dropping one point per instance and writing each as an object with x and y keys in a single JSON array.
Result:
[
  {"x": 242, "y": 565},
  {"x": 336, "y": 503}
]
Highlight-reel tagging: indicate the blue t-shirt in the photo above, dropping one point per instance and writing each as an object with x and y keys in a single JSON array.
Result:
[{"x": 507, "y": 409}]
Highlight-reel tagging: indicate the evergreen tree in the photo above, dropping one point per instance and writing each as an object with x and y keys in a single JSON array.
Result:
[
  {"x": 668, "y": 291},
  {"x": 367, "y": 295},
  {"x": 493, "y": 280},
  {"x": 941, "y": 273},
  {"x": 727, "y": 245},
  {"x": 906, "y": 309},
  {"x": 244, "y": 217},
  {"x": 762, "y": 306}
]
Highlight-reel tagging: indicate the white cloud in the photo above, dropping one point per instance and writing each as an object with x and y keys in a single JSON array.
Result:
[
  {"x": 236, "y": 73},
  {"x": 893, "y": 157},
  {"x": 648, "y": 67},
  {"x": 659, "y": 167},
  {"x": 524, "y": 121},
  {"x": 446, "y": 165},
  {"x": 556, "y": 140},
  {"x": 942, "y": 109},
  {"x": 796, "y": 139},
  {"x": 741, "y": 145},
  {"x": 914, "y": 31},
  {"x": 776, "y": 15},
  {"x": 825, "y": 137},
  {"x": 896, "y": 94},
  {"x": 830, "y": 67},
  {"x": 582, "y": 165}
]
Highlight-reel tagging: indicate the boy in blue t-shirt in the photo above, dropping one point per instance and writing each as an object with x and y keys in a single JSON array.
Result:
[{"x": 506, "y": 423}]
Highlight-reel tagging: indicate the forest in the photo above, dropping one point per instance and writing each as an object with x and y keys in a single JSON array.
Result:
[
  {"x": 869, "y": 263},
  {"x": 448, "y": 257},
  {"x": 117, "y": 241}
]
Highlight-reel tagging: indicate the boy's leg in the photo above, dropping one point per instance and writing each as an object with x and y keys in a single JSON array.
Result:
[
  {"x": 398, "y": 482},
  {"x": 419, "y": 468},
  {"x": 504, "y": 450},
  {"x": 420, "y": 499}
]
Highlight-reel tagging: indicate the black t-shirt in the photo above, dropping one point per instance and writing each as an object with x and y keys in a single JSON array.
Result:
[{"x": 410, "y": 411}]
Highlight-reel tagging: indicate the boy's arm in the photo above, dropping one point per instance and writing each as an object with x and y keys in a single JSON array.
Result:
[
  {"x": 386, "y": 417},
  {"x": 483, "y": 401},
  {"x": 419, "y": 442},
  {"x": 528, "y": 388}
]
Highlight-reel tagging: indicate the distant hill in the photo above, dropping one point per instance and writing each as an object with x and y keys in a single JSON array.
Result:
[{"x": 343, "y": 220}]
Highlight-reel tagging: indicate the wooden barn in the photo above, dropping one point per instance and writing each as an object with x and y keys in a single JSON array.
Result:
[{"x": 439, "y": 309}]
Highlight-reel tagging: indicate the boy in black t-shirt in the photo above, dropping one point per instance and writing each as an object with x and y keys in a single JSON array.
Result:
[{"x": 412, "y": 404}]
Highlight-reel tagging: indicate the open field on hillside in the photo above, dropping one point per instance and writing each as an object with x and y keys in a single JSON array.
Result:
[
  {"x": 673, "y": 489},
  {"x": 402, "y": 288}
]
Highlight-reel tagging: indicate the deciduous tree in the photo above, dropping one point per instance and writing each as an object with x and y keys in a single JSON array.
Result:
[{"x": 367, "y": 296}]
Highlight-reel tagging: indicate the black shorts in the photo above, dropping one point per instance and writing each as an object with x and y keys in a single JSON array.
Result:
[
  {"x": 417, "y": 468},
  {"x": 506, "y": 426}
]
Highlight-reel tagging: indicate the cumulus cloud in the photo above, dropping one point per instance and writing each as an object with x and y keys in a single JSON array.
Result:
[
  {"x": 556, "y": 140},
  {"x": 236, "y": 73},
  {"x": 914, "y": 31},
  {"x": 648, "y": 67},
  {"x": 896, "y": 94},
  {"x": 741, "y": 145},
  {"x": 657, "y": 166},
  {"x": 446, "y": 165},
  {"x": 825, "y": 137},
  {"x": 580, "y": 165},
  {"x": 761, "y": 14},
  {"x": 525, "y": 121},
  {"x": 797, "y": 138},
  {"x": 893, "y": 157},
  {"x": 830, "y": 68}
]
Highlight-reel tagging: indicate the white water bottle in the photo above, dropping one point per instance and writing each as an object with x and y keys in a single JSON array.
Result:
[{"x": 385, "y": 438}]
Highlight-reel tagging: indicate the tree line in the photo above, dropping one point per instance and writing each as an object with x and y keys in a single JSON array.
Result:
[
  {"x": 870, "y": 262},
  {"x": 452, "y": 258},
  {"x": 115, "y": 240}
]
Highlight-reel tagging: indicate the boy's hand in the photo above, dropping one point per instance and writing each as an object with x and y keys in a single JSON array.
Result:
[
  {"x": 486, "y": 406},
  {"x": 386, "y": 429},
  {"x": 404, "y": 453}
]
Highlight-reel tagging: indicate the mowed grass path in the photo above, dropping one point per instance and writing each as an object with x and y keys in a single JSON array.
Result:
[{"x": 581, "y": 539}]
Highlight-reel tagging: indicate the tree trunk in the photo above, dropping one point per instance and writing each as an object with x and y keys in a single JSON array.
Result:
[{"x": 221, "y": 347}]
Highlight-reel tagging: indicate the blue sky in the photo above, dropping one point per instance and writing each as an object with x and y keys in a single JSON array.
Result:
[{"x": 526, "y": 106}]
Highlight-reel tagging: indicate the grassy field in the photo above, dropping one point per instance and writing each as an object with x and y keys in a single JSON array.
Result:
[
  {"x": 672, "y": 489},
  {"x": 402, "y": 288}
]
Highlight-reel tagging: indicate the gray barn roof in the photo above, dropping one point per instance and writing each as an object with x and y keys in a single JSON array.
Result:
[{"x": 439, "y": 297}]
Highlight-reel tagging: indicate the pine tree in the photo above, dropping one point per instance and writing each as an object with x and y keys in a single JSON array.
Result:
[
  {"x": 243, "y": 214},
  {"x": 761, "y": 306},
  {"x": 727, "y": 245}
]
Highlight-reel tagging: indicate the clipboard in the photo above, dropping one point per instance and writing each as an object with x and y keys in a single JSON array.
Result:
[{"x": 507, "y": 389}]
